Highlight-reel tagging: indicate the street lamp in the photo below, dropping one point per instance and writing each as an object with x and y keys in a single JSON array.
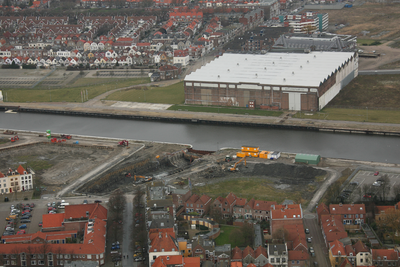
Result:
[{"x": 367, "y": 113}]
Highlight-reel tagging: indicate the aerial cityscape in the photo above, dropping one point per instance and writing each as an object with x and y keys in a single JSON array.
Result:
[{"x": 200, "y": 133}]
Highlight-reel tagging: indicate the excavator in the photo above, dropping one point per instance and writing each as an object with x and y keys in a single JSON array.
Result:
[
  {"x": 233, "y": 168},
  {"x": 146, "y": 178}
]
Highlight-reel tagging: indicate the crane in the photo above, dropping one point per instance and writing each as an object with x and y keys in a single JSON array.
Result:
[{"x": 233, "y": 168}]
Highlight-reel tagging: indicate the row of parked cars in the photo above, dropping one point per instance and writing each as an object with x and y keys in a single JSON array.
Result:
[{"x": 21, "y": 212}]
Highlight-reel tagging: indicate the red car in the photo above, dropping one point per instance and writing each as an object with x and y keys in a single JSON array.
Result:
[
  {"x": 376, "y": 173},
  {"x": 21, "y": 232},
  {"x": 367, "y": 196},
  {"x": 40, "y": 224}
]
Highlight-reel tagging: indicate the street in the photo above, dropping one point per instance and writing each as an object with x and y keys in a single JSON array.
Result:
[{"x": 318, "y": 243}]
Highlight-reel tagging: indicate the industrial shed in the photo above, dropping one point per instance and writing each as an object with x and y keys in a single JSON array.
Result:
[
  {"x": 307, "y": 158},
  {"x": 289, "y": 81}
]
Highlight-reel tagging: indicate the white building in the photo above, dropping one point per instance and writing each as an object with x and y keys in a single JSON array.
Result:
[{"x": 16, "y": 180}]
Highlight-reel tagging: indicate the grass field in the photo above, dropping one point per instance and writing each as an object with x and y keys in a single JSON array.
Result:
[
  {"x": 365, "y": 41},
  {"x": 67, "y": 94},
  {"x": 227, "y": 110},
  {"x": 345, "y": 114},
  {"x": 380, "y": 91},
  {"x": 355, "y": 101},
  {"x": 173, "y": 94},
  {"x": 249, "y": 188},
  {"x": 224, "y": 237}
]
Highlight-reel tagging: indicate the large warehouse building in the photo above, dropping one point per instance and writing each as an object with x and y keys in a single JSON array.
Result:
[{"x": 291, "y": 81}]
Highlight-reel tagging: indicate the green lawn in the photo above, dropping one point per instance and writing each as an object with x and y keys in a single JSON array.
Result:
[
  {"x": 366, "y": 41},
  {"x": 227, "y": 110},
  {"x": 68, "y": 94},
  {"x": 223, "y": 238},
  {"x": 173, "y": 94},
  {"x": 361, "y": 115},
  {"x": 261, "y": 189}
]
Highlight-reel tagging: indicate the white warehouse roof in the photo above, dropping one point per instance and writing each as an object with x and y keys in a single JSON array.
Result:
[{"x": 290, "y": 69}]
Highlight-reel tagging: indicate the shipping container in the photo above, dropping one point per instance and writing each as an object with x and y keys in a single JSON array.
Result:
[
  {"x": 252, "y": 154},
  {"x": 264, "y": 154},
  {"x": 240, "y": 154},
  {"x": 250, "y": 149}
]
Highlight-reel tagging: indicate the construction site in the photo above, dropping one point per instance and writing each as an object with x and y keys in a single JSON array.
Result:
[{"x": 76, "y": 165}]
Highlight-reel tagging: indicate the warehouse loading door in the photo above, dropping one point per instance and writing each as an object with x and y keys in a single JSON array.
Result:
[{"x": 294, "y": 101}]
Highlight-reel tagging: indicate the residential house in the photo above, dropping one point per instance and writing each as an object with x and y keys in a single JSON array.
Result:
[
  {"x": 298, "y": 258},
  {"x": 237, "y": 255},
  {"x": 260, "y": 256},
  {"x": 181, "y": 57},
  {"x": 248, "y": 255},
  {"x": 197, "y": 204},
  {"x": 203, "y": 248},
  {"x": 278, "y": 255},
  {"x": 353, "y": 215},
  {"x": 332, "y": 228},
  {"x": 337, "y": 253},
  {"x": 16, "y": 180},
  {"x": 176, "y": 261},
  {"x": 225, "y": 204},
  {"x": 363, "y": 254},
  {"x": 385, "y": 257},
  {"x": 285, "y": 215}
]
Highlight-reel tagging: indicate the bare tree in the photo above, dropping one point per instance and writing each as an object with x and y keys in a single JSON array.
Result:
[
  {"x": 280, "y": 234},
  {"x": 396, "y": 192},
  {"x": 117, "y": 204},
  {"x": 390, "y": 221},
  {"x": 385, "y": 186}
]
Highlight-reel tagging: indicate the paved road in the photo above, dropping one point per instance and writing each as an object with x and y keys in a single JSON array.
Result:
[
  {"x": 332, "y": 177},
  {"x": 321, "y": 251},
  {"x": 98, "y": 171}
]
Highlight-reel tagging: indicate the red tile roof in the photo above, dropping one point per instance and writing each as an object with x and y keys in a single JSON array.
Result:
[
  {"x": 59, "y": 235},
  {"x": 236, "y": 264},
  {"x": 21, "y": 170},
  {"x": 263, "y": 205},
  {"x": 298, "y": 255},
  {"x": 360, "y": 247},
  {"x": 260, "y": 251},
  {"x": 53, "y": 220},
  {"x": 383, "y": 209},
  {"x": 347, "y": 209},
  {"x": 77, "y": 211},
  {"x": 337, "y": 248},
  {"x": 163, "y": 242},
  {"x": 240, "y": 202},
  {"x": 349, "y": 249},
  {"x": 248, "y": 251},
  {"x": 237, "y": 254},
  {"x": 379, "y": 254}
]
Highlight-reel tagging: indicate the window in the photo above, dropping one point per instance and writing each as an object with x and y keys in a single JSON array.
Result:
[{"x": 33, "y": 262}]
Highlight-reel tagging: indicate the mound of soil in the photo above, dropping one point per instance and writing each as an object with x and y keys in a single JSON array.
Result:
[{"x": 284, "y": 171}]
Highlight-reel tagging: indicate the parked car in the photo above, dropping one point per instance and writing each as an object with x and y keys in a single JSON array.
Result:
[
  {"x": 25, "y": 218},
  {"x": 85, "y": 201},
  {"x": 32, "y": 205},
  {"x": 367, "y": 196},
  {"x": 25, "y": 221},
  {"x": 97, "y": 201},
  {"x": 376, "y": 173},
  {"x": 312, "y": 252},
  {"x": 21, "y": 232},
  {"x": 309, "y": 239},
  {"x": 23, "y": 226},
  {"x": 40, "y": 224},
  {"x": 377, "y": 183},
  {"x": 307, "y": 231}
]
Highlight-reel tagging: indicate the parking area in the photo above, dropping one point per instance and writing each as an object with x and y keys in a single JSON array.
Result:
[
  {"x": 365, "y": 184},
  {"x": 40, "y": 207}
]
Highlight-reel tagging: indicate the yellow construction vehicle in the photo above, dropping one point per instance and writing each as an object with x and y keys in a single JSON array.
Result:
[
  {"x": 146, "y": 178},
  {"x": 233, "y": 168}
]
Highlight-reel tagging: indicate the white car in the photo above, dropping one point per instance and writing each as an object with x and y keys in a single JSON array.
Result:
[{"x": 377, "y": 183}]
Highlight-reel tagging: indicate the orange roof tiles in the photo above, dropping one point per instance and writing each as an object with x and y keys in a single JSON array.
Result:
[
  {"x": 237, "y": 254},
  {"x": 236, "y": 264},
  {"x": 379, "y": 254},
  {"x": 21, "y": 170},
  {"x": 163, "y": 242},
  {"x": 260, "y": 251},
  {"x": 360, "y": 247},
  {"x": 248, "y": 251},
  {"x": 77, "y": 211},
  {"x": 337, "y": 248},
  {"x": 347, "y": 209},
  {"x": 298, "y": 255},
  {"x": 53, "y": 220}
]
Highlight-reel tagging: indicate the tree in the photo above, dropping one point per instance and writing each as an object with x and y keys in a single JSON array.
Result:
[
  {"x": 389, "y": 221},
  {"x": 385, "y": 186},
  {"x": 396, "y": 192},
  {"x": 248, "y": 233},
  {"x": 216, "y": 214},
  {"x": 116, "y": 205}
]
